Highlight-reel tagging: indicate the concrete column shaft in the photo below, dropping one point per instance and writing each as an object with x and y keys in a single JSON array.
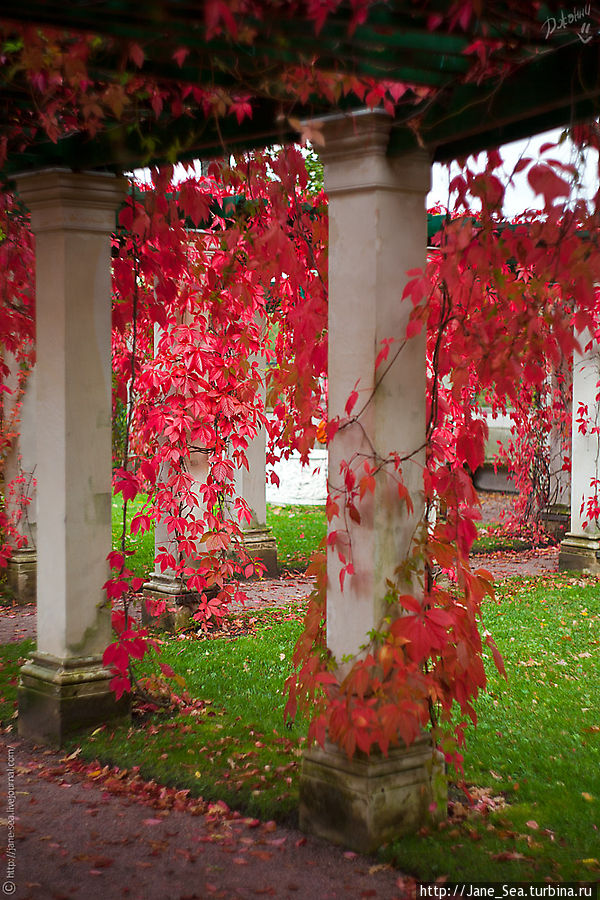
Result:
[
  {"x": 377, "y": 231},
  {"x": 72, "y": 217},
  {"x": 585, "y": 459}
]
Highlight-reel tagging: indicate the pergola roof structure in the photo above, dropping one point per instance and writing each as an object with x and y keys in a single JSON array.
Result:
[{"x": 537, "y": 80}]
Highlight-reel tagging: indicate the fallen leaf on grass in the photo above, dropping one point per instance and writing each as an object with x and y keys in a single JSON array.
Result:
[{"x": 507, "y": 855}]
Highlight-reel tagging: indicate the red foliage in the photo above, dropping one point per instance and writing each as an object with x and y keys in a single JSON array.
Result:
[
  {"x": 503, "y": 303},
  {"x": 215, "y": 280},
  {"x": 17, "y": 335},
  {"x": 245, "y": 288}
]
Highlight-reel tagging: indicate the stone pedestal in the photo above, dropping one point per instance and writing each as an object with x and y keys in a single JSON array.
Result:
[
  {"x": 72, "y": 216},
  {"x": 580, "y": 549},
  {"x": 580, "y": 552},
  {"x": 21, "y": 574},
  {"x": 363, "y": 802},
  {"x": 180, "y": 602},
  {"x": 556, "y": 520},
  {"x": 60, "y": 696},
  {"x": 260, "y": 543}
]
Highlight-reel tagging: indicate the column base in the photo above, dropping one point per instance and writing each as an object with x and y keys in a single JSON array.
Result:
[
  {"x": 180, "y": 602},
  {"x": 363, "y": 802},
  {"x": 260, "y": 543},
  {"x": 556, "y": 520},
  {"x": 580, "y": 553},
  {"x": 21, "y": 574},
  {"x": 60, "y": 696}
]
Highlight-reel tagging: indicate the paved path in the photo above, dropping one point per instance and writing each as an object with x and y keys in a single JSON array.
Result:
[{"x": 91, "y": 836}]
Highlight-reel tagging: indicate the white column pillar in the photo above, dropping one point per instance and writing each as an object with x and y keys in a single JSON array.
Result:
[
  {"x": 581, "y": 547},
  {"x": 377, "y": 231},
  {"x": 20, "y": 477},
  {"x": 165, "y": 585},
  {"x": 251, "y": 485},
  {"x": 65, "y": 686}
]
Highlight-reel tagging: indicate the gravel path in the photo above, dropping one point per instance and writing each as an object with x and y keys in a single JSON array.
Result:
[{"x": 90, "y": 836}]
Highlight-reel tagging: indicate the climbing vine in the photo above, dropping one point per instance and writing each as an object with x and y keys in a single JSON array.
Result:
[
  {"x": 217, "y": 279},
  {"x": 503, "y": 304}
]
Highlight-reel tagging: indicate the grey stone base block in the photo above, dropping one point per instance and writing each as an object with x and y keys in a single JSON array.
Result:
[
  {"x": 260, "y": 543},
  {"x": 363, "y": 802},
  {"x": 556, "y": 520},
  {"x": 181, "y": 603},
  {"x": 21, "y": 574},
  {"x": 165, "y": 584},
  {"x": 60, "y": 696},
  {"x": 580, "y": 553}
]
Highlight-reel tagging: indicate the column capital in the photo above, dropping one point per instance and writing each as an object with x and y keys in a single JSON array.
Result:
[
  {"x": 61, "y": 200},
  {"x": 355, "y": 155}
]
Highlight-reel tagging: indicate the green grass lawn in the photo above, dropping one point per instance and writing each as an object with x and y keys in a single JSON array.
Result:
[
  {"x": 12, "y": 656},
  {"x": 298, "y": 531},
  {"x": 238, "y": 749},
  {"x": 142, "y": 562},
  {"x": 536, "y": 748}
]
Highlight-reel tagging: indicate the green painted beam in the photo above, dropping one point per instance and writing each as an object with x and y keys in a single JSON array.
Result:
[
  {"x": 558, "y": 88},
  {"x": 559, "y": 85}
]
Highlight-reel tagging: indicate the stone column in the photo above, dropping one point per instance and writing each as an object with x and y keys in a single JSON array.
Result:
[
  {"x": 166, "y": 585},
  {"x": 581, "y": 546},
  {"x": 21, "y": 474},
  {"x": 377, "y": 231},
  {"x": 556, "y": 517},
  {"x": 65, "y": 686},
  {"x": 251, "y": 485}
]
